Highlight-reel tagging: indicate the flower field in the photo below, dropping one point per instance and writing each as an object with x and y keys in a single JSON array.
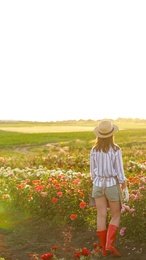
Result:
[{"x": 52, "y": 183}]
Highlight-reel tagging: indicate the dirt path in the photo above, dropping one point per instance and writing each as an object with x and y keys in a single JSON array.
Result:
[{"x": 37, "y": 236}]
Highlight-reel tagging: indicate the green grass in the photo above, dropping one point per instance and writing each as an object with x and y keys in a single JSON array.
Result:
[
  {"x": 12, "y": 143},
  {"x": 125, "y": 138},
  {"x": 12, "y": 139}
]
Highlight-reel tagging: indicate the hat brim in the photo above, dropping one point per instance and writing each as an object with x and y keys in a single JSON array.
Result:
[{"x": 98, "y": 134}]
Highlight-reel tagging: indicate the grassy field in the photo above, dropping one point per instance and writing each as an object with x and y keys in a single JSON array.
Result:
[
  {"x": 20, "y": 149},
  {"x": 18, "y": 134}
]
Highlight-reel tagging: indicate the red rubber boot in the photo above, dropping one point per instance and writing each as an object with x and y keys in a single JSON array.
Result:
[
  {"x": 111, "y": 236},
  {"x": 102, "y": 238}
]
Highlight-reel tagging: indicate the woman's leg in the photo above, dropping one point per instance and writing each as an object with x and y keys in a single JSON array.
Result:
[
  {"x": 115, "y": 208},
  {"x": 101, "y": 206}
]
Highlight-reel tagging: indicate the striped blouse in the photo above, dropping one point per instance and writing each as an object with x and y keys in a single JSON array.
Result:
[{"x": 105, "y": 166}]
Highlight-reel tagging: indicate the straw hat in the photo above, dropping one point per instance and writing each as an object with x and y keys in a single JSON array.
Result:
[{"x": 105, "y": 129}]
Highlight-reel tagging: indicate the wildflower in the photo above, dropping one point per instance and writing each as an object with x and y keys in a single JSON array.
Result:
[
  {"x": 132, "y": 211},
  {"x": 127, "y": 207},
  {"x": 82, "y": 205},
  {"x": 39, "y": 188},
  {"x": 76, "y": 181},
  {"x": 132, "y": 196},
  {"x": 27, "y": 180},
  {"x": 20, "y": 186},
  {"x": 122, "y": 231},
  {"x": 54, "y": 181},
  {"x": 85, "y": 252},
  {"x": 59, "y": 194},
  {"x": 43, "y": 194},
  {"x": 142, "y": 188},
  {"x": 77, "y": 255},
  {"x": 81, "y": 193},
  {"x": 54, "y": 200},
  {"x": 50, "y": 179},
  {"x": 73, "y": 216},
  {"x": 123, "y": 210},
  {"x": 57, "y": 186},
  {"x": 36, "y": 182},
  {"x": 48, "y": 186},
  {"x": 47, "y": 256},
  {"x": 64, "y": 183}
]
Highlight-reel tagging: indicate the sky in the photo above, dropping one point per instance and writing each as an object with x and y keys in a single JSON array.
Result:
[{"x": 72, "y": 59}]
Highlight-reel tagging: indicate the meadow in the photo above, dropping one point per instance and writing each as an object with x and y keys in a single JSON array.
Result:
[{"x": 45, "y": 175}]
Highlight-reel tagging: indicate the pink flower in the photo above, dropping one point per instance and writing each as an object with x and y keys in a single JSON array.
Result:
[
  {"x": 122, "y": 231},
  {"x": 76, "y": 181},
  {"x": 127, "y": 207},
  {"x": 57, "y": 186},
  {"x": 131, "y": 210},
  {"x": 142, "y": 188},
  {"x": 123, "y": 210},
  {"x": 59, "y": 194},
  {"x": 132, "y": 196},
  {"x": 43, "y": 194}
]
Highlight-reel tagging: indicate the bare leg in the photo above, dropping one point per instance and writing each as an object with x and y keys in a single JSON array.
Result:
[
  {"x": 115, "y": 209},
  {"x": 101, "y": 206}
]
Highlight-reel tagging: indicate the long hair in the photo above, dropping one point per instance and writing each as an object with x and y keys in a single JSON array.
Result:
[{"x": 104, "y": 144}]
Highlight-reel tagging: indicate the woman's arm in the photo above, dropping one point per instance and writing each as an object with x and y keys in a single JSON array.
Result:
[{"x": 92, "y": 166}]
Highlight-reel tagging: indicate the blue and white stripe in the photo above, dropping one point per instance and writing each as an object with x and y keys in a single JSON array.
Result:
[{"x": 104, "y": 167}]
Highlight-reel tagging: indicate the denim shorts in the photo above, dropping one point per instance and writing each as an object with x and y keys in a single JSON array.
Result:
[{"x": 111, "y": 193}]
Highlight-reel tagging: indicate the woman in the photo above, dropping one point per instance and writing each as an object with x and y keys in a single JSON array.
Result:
[{"x": 107, "y": 174}]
